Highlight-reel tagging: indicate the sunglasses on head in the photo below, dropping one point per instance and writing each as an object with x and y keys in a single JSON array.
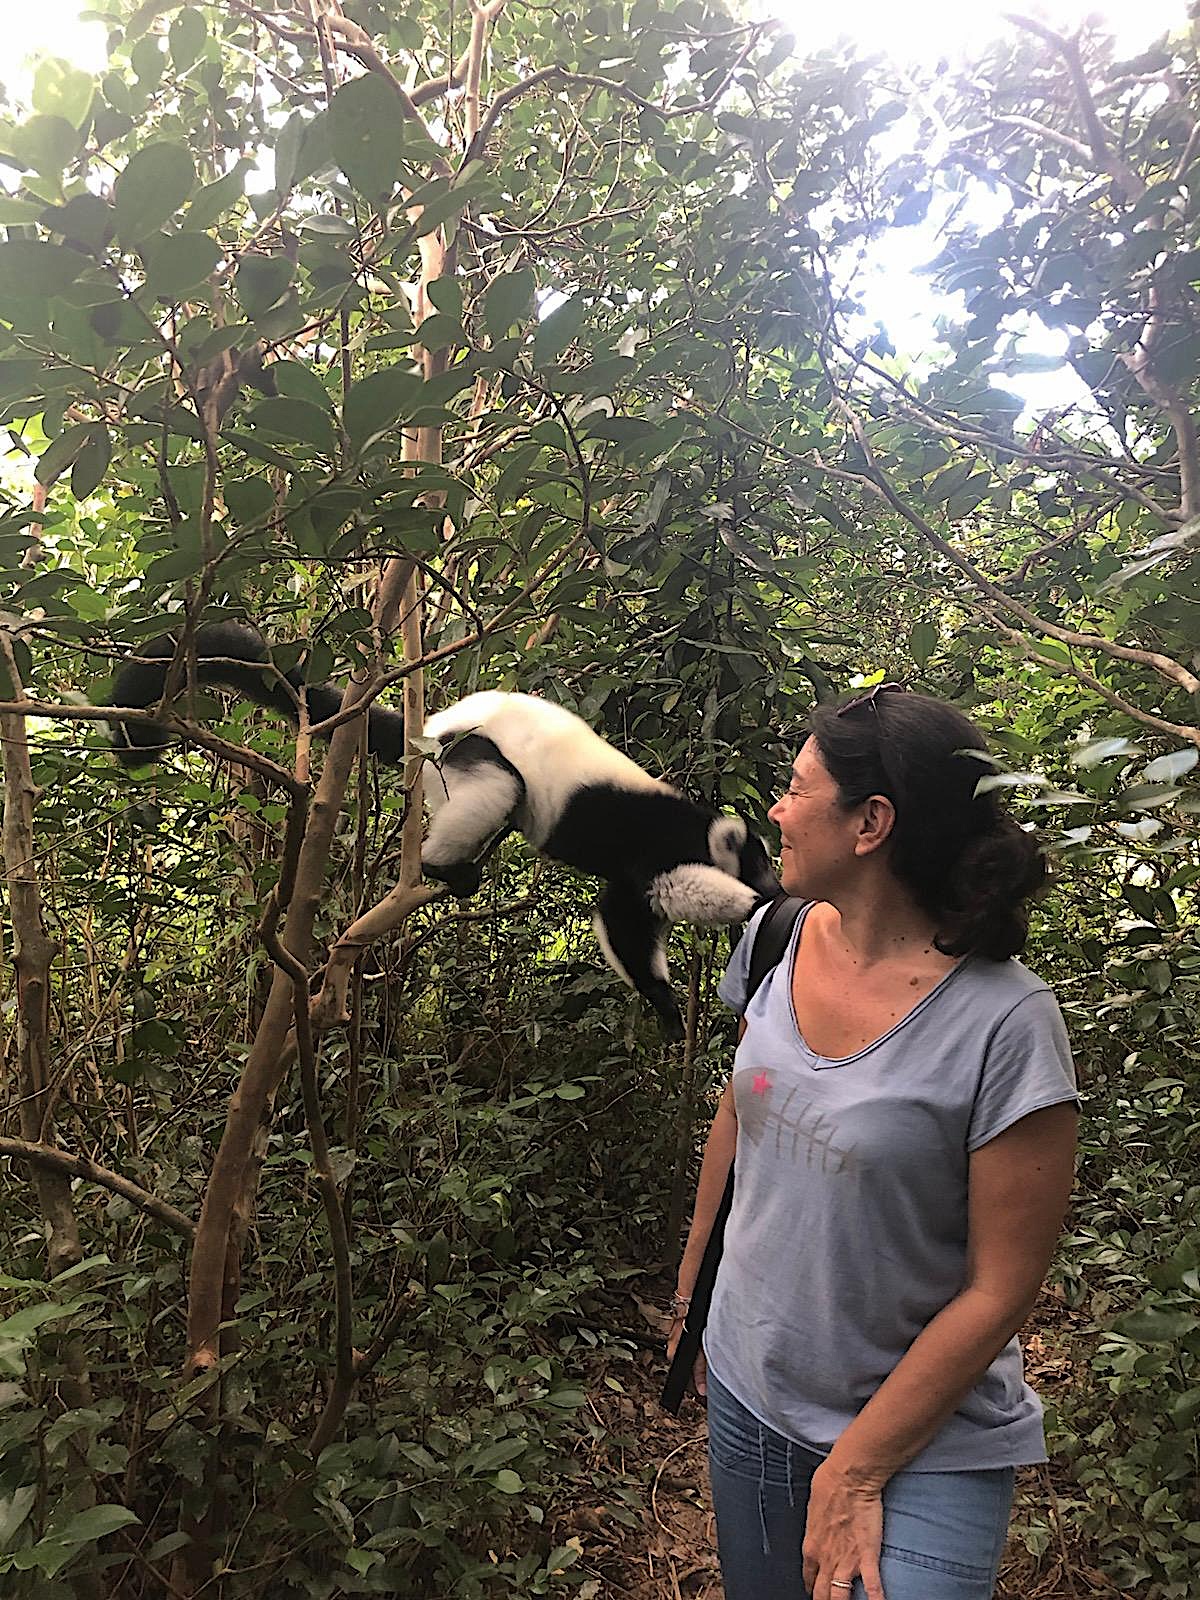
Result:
[{"x": 870, "y": 697}]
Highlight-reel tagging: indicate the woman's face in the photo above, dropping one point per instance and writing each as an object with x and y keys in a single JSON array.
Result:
[{"x": 818, "y": 833}]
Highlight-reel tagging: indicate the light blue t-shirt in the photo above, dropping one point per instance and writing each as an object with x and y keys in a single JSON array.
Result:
[{"x": 848, "y": 1232}]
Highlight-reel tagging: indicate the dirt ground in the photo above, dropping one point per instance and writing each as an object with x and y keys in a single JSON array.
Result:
[{"x": 668, "y": 1550}]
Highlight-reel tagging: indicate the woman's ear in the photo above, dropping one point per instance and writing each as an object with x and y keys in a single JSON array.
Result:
[{"x": 876, "y": 824}]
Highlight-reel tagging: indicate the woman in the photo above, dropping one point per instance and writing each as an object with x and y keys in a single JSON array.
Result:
[{"x": 903, "y": 1113}]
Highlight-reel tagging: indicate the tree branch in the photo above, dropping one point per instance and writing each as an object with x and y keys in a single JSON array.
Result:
[
  {"x": 178, "y": 726},
  {"x": 593, "y": 80},
  {"x": 1171, "y": 670},
  {"x": 1041, "y": 131},
  {"x": 1179, "y": 730},
  {"x": 349, "y": 38},
  {"x": 1101, "y": 152},
  {"x": 52, "y": 1159},
  {"x": 876, "y": 483},
  {"x": 343, "y": 1283}
]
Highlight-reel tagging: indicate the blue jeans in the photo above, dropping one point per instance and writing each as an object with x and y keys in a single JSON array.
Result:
[{"x": 943, "y": 1532}]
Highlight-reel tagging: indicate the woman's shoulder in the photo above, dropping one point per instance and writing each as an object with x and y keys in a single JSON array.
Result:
[{"x": 1005, "y": 984}]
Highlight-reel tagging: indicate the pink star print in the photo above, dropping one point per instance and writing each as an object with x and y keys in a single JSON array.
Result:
[{"x": 761, "y": 1083}]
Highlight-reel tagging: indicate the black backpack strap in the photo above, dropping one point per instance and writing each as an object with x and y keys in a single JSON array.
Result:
[{"x": 770, "y": 942}]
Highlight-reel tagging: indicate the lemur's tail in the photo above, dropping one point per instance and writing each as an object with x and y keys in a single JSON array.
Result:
[{"x": 231, "y": 655}]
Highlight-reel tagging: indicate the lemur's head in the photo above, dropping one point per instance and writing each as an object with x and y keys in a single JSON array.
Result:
[{"x": 735, "y": 850}]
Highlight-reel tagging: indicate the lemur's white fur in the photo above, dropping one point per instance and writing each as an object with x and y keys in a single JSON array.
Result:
[
  {"x": 700, "y": 894},
  {"x": 546, "y": 740},
  {"x": 607, "y": 951},
  {"x": 726, "y": 837},
  {"x": 484, "y": 797}
]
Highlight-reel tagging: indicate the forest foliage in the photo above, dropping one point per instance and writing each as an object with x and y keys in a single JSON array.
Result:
[{"x": 531, "y": 345}]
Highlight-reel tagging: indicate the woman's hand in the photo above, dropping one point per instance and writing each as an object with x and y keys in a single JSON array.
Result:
[
  {"x": 699, "y": 1366},
  {"x": 844, "y": 1532}
]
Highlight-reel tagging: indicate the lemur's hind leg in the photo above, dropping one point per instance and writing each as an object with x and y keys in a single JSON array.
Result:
[
  {"x": 473, "y": 795},
  {"x": 634, "y": 941}
]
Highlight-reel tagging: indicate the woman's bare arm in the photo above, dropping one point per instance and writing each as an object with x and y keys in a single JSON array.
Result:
[{"x": 714, "y": 1170}]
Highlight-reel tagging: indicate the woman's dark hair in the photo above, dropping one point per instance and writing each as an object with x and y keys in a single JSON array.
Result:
[{"x": 967, "y": 862}]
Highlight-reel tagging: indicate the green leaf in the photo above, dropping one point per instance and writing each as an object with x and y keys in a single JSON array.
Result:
[
  {"x": 259, "y": 451},
  {"x": 94, "y": 1523},
  {"x": 188, "y": 36},
  {"x": 218, "y": 197},
  {"x": 14, "y": 1508},
  {"x": 248, "y": 498},
  {"x": 22, "y": 1325},
  {"x": 1010, "y": 780},
  {"x": 314, "y": 155},
  {"x": 1148, "y": 796},
  {"x": 27, "y": 211},
  {"x": 921, "y": 642},
  {"x": 287, "y": 151},
  {"x": 30, "y": 267},
  {"x": 328, "y": 224},
  {"x": 446, "y": 295},
  {"x": 1151, "y": 1325},
  {"x": 495, "y": 1455},
  {"x": 261, "y": 282},
  {"x": 1140, "y": 832},
  {"x": 177, "y": 262},
  {"x": 1169, "y": 767},
  {"x": 60, "y": 453},
  {"x": 155, "y": 183},
  {"x": 508, "y": 1482},
  {"x": 148, "y": 61},
  {"x": 439, "y": 208},
  {"x": 508, "y": 299},
  {"x": 555, "y": 332},
  {"x": 294, "y": 378},
  {"x": 175, "y": 566},
  {"x": 92, "y": 462},
  {"x": 23, "y": 661},
  {"x": 565, "y": 1556},
  {"x": 295, "y": 421},
  {"x": 86, "y": 222},
  {"x": 47, "y": 144},
  {"x": 438, "y": 331},
  {"x": 21, "y": 380},
  {"x": 374, "y": 403},
  {"x": 366, "y": 134},
  {"x": 568, "y": 1399},
  {"x": 61, "y": 90},
  {"x": 1098, "y": 750},
  {"x": 437, "y": 1258}
]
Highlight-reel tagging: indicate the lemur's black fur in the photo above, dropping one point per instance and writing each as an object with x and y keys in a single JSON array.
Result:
[{"x": 232, "y": 655}]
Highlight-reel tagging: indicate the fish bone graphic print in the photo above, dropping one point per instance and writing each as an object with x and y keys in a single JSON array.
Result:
[{"x": 799, "y": 1129}]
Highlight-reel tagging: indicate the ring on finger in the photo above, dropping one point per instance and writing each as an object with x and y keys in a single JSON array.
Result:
[{"x": 841, "y": 1583}]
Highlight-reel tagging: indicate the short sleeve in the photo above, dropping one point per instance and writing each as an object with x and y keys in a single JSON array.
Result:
[
  {"x": 732, "y": 987},
  {"x": 1027, "y": 1067}
]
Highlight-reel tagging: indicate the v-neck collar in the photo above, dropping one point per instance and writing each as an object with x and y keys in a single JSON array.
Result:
[{"x": 819, "y": 1062}]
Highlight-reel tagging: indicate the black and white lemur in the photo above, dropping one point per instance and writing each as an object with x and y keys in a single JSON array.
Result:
[{"x": 515, "y": 762}]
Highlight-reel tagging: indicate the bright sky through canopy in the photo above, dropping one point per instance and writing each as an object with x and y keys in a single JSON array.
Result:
[
  {"x": 46, "y": 27},
  {"x": 927, "y": 31},
  {"x": 916, "y": 31},
  {"x": 924, "y": 33}
]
